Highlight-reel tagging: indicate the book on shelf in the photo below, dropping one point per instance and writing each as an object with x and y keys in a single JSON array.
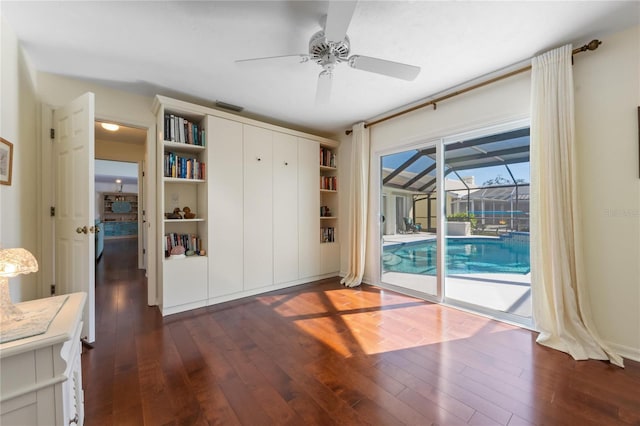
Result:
[
  {"x": 329, "y": 182},
  {"x": 190, "y": 242},
  {"x": 327, "y": 157},
  {"x": 327, "y": 235},
  {"x": 179, "y": 129},
  {"x": 177, "y": 166}
]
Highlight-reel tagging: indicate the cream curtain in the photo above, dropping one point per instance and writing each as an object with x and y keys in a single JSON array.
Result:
[
  {"x": 358, "y": 203},
  {"x": 560, "y": 300}
]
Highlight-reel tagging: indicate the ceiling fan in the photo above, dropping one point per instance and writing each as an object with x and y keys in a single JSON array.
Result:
[{"x": 330, "y": 47}]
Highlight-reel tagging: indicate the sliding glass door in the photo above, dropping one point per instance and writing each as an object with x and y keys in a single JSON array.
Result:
[{"x": 456, "y": 222}]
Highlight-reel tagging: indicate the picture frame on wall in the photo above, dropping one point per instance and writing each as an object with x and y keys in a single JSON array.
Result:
[{"x": 6, "y": 161}]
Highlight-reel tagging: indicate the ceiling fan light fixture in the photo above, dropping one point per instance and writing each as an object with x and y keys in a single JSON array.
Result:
[{"x": 110, "y": 127}]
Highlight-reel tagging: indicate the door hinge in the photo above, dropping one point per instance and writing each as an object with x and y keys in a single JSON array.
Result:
[
  {"x": 52, "y": 133},
  {"x": 144, "y": 251},
  {"x": 53, "y": 289},
  {"x": 142, "y": 174},
  {"x": 52, "y": 211}
]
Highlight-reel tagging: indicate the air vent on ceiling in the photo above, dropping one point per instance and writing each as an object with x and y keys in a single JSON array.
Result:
[{"x": 230, "y": 107}]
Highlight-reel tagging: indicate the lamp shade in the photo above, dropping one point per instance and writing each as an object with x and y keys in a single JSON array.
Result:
[{"x": 16, "y": 261}]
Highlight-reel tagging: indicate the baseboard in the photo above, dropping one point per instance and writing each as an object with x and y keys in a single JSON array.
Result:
[{"x": 625, "y": 351}]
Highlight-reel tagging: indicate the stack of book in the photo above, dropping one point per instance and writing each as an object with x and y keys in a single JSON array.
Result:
[
  {"x": 176, "y": 166},
  {"x": 327, "y": 235},
  {"x": 179, "y": 129},
  {"x": 327, "y": 157},
  {"x": 190, "y": 242},
  {"x": 329, "y": 182}
]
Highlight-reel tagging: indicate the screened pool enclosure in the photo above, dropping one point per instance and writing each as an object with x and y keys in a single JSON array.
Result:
[{"x": 486, "y": 179}]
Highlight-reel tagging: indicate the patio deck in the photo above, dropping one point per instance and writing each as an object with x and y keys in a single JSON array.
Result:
[{"x": 502, "y": 292}]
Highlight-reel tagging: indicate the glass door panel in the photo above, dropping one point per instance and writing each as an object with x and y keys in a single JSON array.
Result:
[
  {"x": 486, "y": 249},
  {"x": 409, "y": 221}
]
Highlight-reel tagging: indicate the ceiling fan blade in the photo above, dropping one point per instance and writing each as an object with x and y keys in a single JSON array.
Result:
[
  {"x": 382, "y": 66},
  {"x": 323, "y": 91},
  {"x": 338, "y": 19},
  {"x": 303, "y": 58}
]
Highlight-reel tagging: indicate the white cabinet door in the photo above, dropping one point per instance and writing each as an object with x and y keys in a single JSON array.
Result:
[
  {"x": 285, "y": 208},
  {"x": 225, "y": 177},
  {"x": 185, "y": 283},
  {"x": 308, "y": 208},
  {"x": 258, "y": 205}
]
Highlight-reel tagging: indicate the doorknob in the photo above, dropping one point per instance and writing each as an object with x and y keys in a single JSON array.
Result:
[
  {"x": 94, "y": 229},
  {"x": 82, "y": 230}
]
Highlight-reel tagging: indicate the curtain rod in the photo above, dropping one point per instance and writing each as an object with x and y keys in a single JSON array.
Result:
[{"x": 592, "y": 45}]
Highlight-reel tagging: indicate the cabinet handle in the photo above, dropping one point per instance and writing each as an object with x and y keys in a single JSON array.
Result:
[
  {"x": 286, "y": 164},
  {"x": 75, "y": 420},
  {"x": 258, "y": 158}
]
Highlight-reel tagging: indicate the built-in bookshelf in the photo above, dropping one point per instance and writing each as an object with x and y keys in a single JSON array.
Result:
[
  {"x": 182, "y": 204},
  {"x": 184, "y": 184},
  {"x": 328, "y": 194},
  {"x": 255, "y": 206}
]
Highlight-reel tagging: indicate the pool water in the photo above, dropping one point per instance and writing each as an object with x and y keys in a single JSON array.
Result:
[{"x": 463, "y": 256}]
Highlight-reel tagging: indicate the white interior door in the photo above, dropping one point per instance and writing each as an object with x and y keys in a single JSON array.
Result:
[{"x": 75, "y": 206}]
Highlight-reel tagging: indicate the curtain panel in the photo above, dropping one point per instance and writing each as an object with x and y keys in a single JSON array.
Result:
[
  {"x": 358, "y": 205},
  {"x": 559, "y": 292}
]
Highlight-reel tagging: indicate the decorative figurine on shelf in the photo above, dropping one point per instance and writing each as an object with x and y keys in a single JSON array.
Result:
[
  {"x": 175, "y": 215},
  {"x": 188, "y": 214},
  {"x": 177, "y": 252}
]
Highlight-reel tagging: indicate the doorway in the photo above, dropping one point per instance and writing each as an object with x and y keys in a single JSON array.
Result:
[
  {"x": 118, "y": 204},
  {"x": 120, "y": 211}
]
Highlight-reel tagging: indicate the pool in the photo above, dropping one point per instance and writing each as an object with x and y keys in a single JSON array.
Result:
[{"x": 463, "y": 256}]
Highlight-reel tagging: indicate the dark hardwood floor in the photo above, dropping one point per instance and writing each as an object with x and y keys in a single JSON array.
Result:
[{"x": 324, "y": 354}]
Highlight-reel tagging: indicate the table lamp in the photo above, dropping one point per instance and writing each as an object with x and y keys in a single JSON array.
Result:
[{"x": 13, "y": 261}]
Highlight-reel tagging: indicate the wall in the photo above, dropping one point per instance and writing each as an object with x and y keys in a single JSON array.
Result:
[
  {"x": 607, "y": 95},
  {"x": 119, "y": 151},
  {"x": 18, "y": 118}
]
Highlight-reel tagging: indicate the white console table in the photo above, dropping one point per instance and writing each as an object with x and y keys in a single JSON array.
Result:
[{"x": 42, "y": 375}]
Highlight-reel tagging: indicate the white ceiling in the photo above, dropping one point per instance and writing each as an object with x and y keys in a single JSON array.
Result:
[
  {"x": 123, "y": 134},
  {"x": 187, "y": 49}
]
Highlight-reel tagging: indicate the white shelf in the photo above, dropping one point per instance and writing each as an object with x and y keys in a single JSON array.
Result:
[
  {"x": 328, "y": 168},
  {"x": 328, "y": 190},
  {"x": 184, "y": 259},
  {"x": 183, "y": 146},
  {"x": 328, "y": 217},
  {"x": 197, "y": 219},
  {"x": 182, "y": 180}
]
